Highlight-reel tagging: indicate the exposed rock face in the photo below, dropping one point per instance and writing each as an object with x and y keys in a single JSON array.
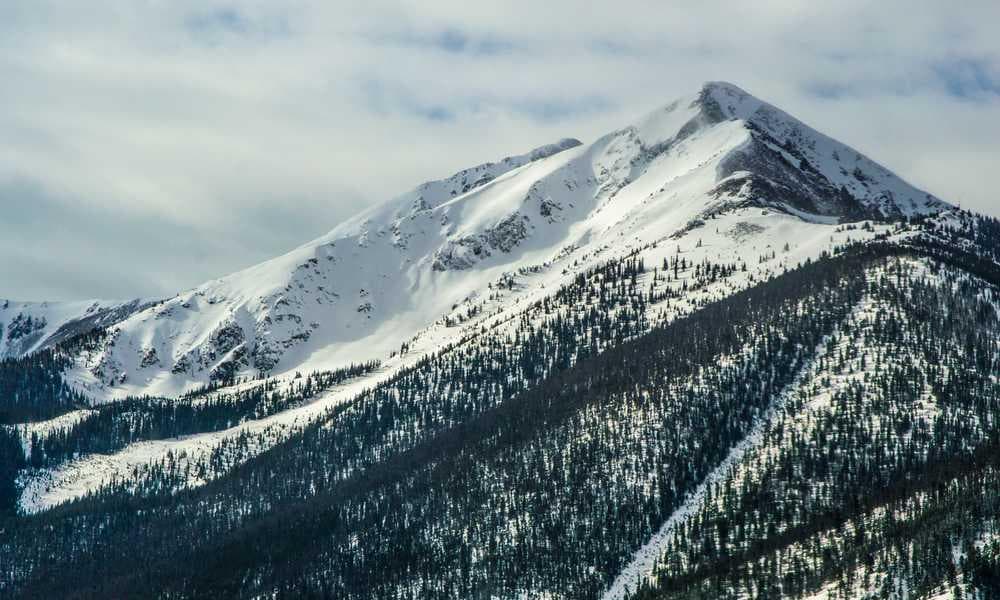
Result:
[
  {"x": 788, "y": 165},
  {"x": 181, "y": 365},
  {"x": 24, "y": 326},
  {"x": 108, "y": 369},
  {"x": 463, "y": 253},
  {"x": 763, "y": 175},
  {"x": 149, "y": 358},
  {"x": 34, "y": 326},
  {"x": 98, "y": 318},
  {"x": 226, "y": 338},
  {"x": 227, "y": 369}
]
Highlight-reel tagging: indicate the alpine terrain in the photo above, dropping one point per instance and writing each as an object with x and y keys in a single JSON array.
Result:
[{"x": 712, "y": 354}]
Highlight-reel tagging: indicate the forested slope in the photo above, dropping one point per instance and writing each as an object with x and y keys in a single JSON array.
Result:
[{"x": 536, "y": 464}]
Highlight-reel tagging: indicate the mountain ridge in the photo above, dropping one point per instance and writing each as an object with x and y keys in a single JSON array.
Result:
[
  {"x": 401, "y": 265},
  {"x": 699, "y": 357}
]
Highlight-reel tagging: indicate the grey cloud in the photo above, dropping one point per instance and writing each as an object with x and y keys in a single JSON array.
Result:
[
  {"x": 54, "y": 246},
  {"x": 968, "y": 77},
  {"x": 384, "y": 97},
  {"x": 175, "y": 142},
  {"x": 448, "y": 39}
]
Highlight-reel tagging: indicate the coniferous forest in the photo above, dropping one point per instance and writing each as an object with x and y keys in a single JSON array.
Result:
[{"x": 831, "y": 432}]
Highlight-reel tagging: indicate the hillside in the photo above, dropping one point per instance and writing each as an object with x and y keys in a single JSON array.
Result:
[
  {"x": 386, "y": 276},
  {"x": 713, "y": 354}
]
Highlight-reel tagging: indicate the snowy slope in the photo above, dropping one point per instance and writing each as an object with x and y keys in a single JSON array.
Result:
[
  {"x": 834, "y": 382},
  {"x": 398, "y": 272},
  {"x": 768, "y": 242},
  {"x": 790, "y": 165},
  {"x": 27, "y": 327},
  {"x": 383, "y": 277}
]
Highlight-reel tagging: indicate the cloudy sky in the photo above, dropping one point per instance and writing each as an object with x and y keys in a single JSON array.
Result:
[{"x": 147, "y": 146}]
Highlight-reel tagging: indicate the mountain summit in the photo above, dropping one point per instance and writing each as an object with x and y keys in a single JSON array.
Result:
[
  {"x": 380, "y": 279},
  {"x": 785, "y": 164},
  {"x": 712, "y": 354}
]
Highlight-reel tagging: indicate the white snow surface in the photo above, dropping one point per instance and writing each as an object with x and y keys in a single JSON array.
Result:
[
  {"x": 393, "y": 273},
  {"x": 743, "y": 234},
  {"x": 377, "y": 279}
]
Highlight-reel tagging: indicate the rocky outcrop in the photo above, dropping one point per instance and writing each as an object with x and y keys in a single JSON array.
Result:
[
  {"x": 22, "y": 326},
  {"x": 464, "y": 252}
]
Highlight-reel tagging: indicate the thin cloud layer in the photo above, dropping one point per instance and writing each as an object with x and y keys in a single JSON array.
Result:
[{"x": 146, "y": 147}]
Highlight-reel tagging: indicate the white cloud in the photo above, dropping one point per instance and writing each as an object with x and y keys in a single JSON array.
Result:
[{"x": 177, "y": 141}]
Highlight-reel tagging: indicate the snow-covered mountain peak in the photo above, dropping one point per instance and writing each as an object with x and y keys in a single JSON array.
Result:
[
  {"x": 803, "y": 170},
  {"x": 377, "y": 280},
  {"x": 710, "y": 105}
]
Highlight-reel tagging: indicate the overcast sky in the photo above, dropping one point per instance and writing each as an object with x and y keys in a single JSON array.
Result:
[{"x": 148, "y": 146}]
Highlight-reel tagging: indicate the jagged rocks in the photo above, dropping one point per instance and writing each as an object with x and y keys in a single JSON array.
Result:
[
  {"x": 230, "y": 367},
  {"x": 148, "y": 358},
  {"x": 458, "y": 255},
  {"x": 225, "y": 338},
  {"x": 464, "y": 252},
  {"x": 108, "y": 369},
  {"x": 768, "y": 174},
  {"x": 547, "y": 206},
  {"x": 181, "y": 365},
  {"x": 23, "y": 326},
  {"x": 743, "y": 230},
  {"x": 507, "y": 233}
]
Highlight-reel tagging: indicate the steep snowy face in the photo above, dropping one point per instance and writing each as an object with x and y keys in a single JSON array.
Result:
[
  {"x": 381, "y": 278},
  {"x": 353, "y": 294},
  {"x": 432, "y": 194},
  {"x": 793, "y": 167}
]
